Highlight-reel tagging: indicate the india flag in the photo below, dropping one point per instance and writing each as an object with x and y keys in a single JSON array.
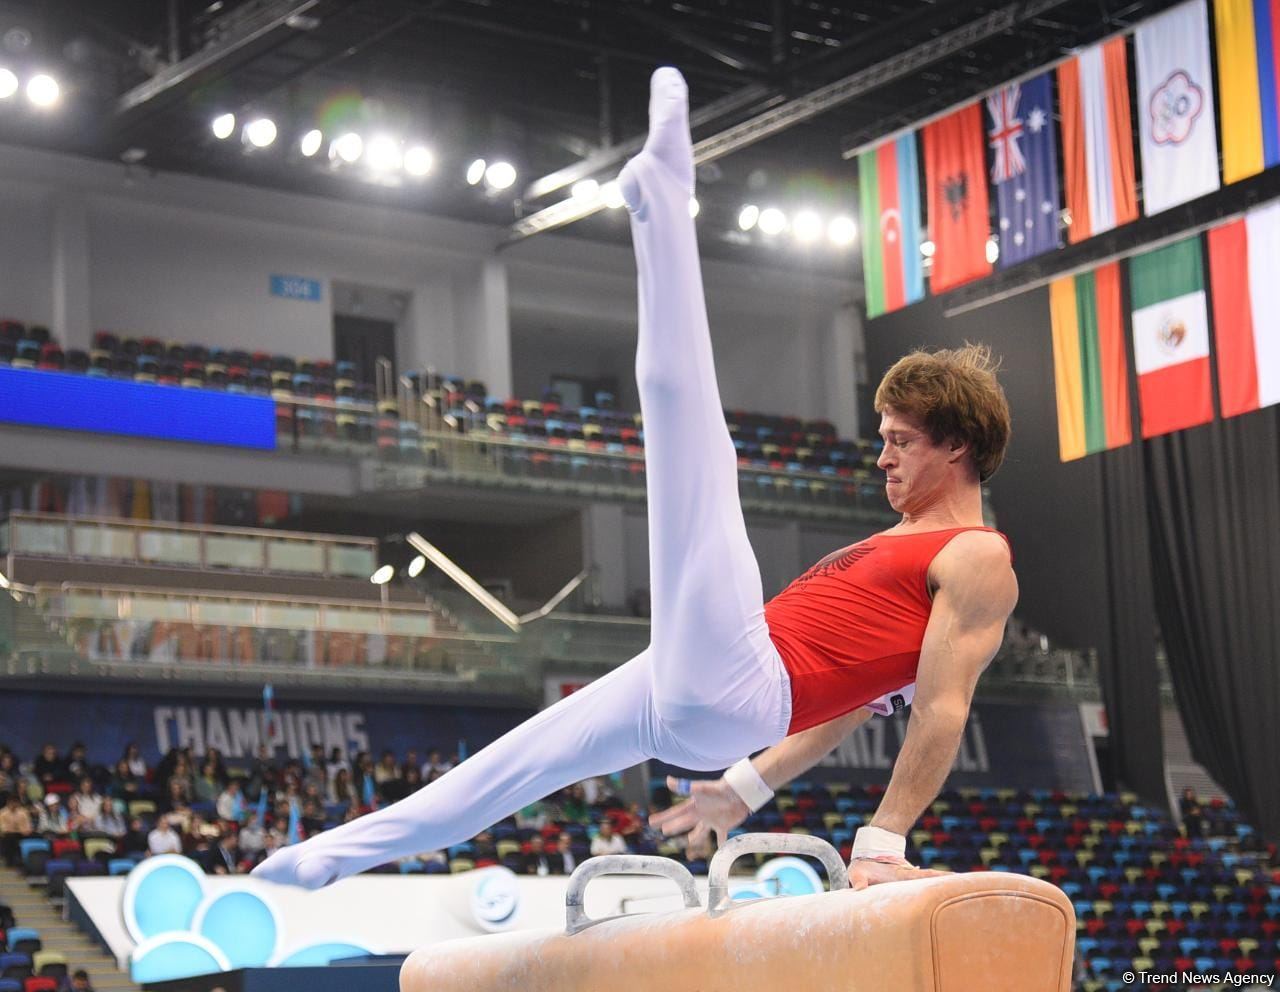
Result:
[
  {"x": 1246, "y": 310},
  {"x": 1090, "y": 370},
  {"x": 889, "y": 189},
  {"x": 1171, "y": 337}
]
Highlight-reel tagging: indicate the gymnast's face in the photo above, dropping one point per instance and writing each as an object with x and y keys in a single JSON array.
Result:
[{"x": 917, "y": 470}]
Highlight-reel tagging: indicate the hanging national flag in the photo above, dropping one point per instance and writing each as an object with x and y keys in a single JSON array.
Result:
[
  {"x": 1175, "y": 107},
  {"x": 1097, "y": 140},
  {"x": 1024, "y": 168},
  {"x": 955, "y": 174},
  {"x": 889, "y": 188},
  {"x": 270, "y": 718},
  {"x": 1246, "y": 310},
  {"x": 1090, "y": 368},
  {"x": 1248, "y": 33},
  {"x": 1171, "y": 337}
]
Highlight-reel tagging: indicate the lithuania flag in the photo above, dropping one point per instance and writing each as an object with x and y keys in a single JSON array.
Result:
[
  {"x": 1090, "y": 370},
  {"x": 889, "y": 187}
]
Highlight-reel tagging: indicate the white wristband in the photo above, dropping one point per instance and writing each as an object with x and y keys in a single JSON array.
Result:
[
  {"x": 874, "y": 842},
  {"x": 743, "y": 779}
]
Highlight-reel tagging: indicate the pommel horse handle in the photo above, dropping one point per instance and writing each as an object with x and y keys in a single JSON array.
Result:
[
  {"x": 576, "y": 918},
  {"x": 718, "y": 900}
]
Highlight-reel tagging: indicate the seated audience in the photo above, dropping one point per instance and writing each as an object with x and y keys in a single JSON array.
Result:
[{"x": 164, "y": 839}]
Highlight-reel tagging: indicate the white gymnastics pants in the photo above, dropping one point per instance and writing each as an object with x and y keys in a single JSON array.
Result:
[{"x": 710, "y": 688}]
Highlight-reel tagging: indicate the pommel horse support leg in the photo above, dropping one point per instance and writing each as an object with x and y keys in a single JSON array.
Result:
[{"x": 987, "y": 930}]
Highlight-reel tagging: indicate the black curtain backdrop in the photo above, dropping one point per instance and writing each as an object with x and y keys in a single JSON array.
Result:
[{"x": 1213, "y": 497}]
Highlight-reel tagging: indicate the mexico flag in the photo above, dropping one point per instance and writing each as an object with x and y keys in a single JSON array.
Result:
[
  {"x": 1090, "y": 369},
  {"x": 1171, "y": 337},
  {"x": 889, "y": 189},
  {"x": 1246, "y": 310}
]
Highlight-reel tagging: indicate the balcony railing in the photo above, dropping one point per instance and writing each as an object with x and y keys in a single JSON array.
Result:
[{"x": 187, "y": 545}]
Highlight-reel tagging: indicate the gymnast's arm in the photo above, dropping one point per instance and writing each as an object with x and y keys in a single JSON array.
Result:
[
  {"x": 714, "y": 805},
  {"x": 975, "y": 592}
]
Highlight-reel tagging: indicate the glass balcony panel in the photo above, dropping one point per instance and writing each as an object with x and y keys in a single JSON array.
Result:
[
  {"x": 295, "y": 556},
  {"x": 102, "y": 541},
  {"x": 234, "y": 552},
  {"x": 169, "y": 547},
  {"x": 34, "y": 537},
  {"x": 346, "y": 559}
]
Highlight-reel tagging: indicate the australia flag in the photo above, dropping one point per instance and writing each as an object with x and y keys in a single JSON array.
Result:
[{"x": 1024, "y": 155}]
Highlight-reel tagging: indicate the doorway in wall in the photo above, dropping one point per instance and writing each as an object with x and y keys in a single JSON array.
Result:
[{"x": 365, "y": 324}]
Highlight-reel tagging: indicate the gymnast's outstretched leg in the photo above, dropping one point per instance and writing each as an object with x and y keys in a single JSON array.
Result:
[{"x": 598, "y": 730}]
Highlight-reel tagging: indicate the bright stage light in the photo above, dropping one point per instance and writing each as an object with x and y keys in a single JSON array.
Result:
[
  {"x": 419, "y": 161},
  {"x": 927, "y": 248},
  {"x": 500, "y": 175},
  {"x": 694, "y": 206},
  {"x": 748, "y": 216},
  {"x": 383, "y": 575},
  {"x": 611, "y": 195},
  {"x": 993, "y": 250},
  {"x": 260, "y": 133},
  {"x": 807, "y": 227},
  {"x": 585, "y": 189},
  {"x": 842, "y": 231},
  {"x": 416, "y": 566},
  {"x": 349, "y": 147},
  {"x": 311, "y": 142},
  {"x": 383, "y": 154},
  {"x": 475, "y": 172},
  {"x": 8, "y": 84},
  {"x": 772, "y": 221},
  {"x": 43, "y": 90},
  {"x": 223, "y": 126}
]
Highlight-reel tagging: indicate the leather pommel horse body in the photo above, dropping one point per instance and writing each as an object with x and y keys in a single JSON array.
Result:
[{"x": 989, "y": 931}]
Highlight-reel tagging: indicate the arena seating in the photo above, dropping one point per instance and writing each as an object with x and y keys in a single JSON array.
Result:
[{"x": 323, "y": 403}]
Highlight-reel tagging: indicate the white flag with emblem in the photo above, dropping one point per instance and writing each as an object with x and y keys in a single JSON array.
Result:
[{"x": 1175, "y": 107}]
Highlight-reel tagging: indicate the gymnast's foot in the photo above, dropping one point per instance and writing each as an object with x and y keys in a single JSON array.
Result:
[
  {"x": 668, "y": 150},
  {"x": 300, "y": 864}
]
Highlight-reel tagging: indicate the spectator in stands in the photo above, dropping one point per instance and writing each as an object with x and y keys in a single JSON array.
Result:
[
  {"x": 80, "y": 981},
  {"x": 85, "y": 806},
  {"x": 10, "y": 777},
  {"x": 164, "y": 839},
  {"x": 15, "y": 825},
  {"x": 231, "y": 802},
  {"x": 208, "y": 785},
  {"x": 134, "y": 757},
  {"x": 341, "y": 789},
  {"x": 484, "y": 848},
  {"x": 399, "y": 788},
  {"x": 124, "y": 783},
  {"x": 337, "y": 760},
  {"x": 111, "y": 819},
  {"x": 183, "y": 775},
  {"x": 49, "y": 768},
  {"x": 78, "y": 762},
  {"x": 386, "y": 771},
  {"x": 252, "y": 838},
  {"x": 316, "y": 768},
  {"x": 219, "y": 765},
  {"x": 607, "y": 842},
  {"x": 538, "y": 861},
  {"x": 533, "y": 817},
  {"x": 1192, "y": 814},
  {"x": 262, "y": 775},
  {"x": 313, "y": 818},
  {"x": 565, "y": 859},
  {"x": 435, "y": 765},
  {"x": 411, "y": 761},
  {"x": 178, "y": 795},
  {"x": 52, "y": 816},
  {"x": 365, "y": 780},
  {"x": 573, "y": 807},
  {"x": 223, "y": 856},
  {"x": 135, "y": 839},
  {"x": 627, "y": 823}
]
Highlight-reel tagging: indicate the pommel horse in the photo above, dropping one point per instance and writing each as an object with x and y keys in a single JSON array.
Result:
[{"x": 989, "y": 931}]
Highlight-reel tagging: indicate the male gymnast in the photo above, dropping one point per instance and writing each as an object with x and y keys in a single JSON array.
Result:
[{"x": 918, "y": 609}]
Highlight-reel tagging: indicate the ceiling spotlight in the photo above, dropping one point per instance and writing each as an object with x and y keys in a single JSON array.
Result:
[
  {"x": 585, "y": 190},
  {"x": 418, "y": 161},
  {"x": 383, "y": 154},
  {"x": 748, "y": 216},
  {"x": 693, "y": 206},
  {"x": 475, "y": 171},
  {"x": 383, "y": 575},
  {"x": 43, "y": 90},
  {"x": 993, "y": 250},
  {"x": 842, "y": 231},
  {"x": 927, "y": 249},
  {"x": 349, "y": 147},
  {"x": 223, "y": 126},
  {"x": 416, "y": 566},
  {"x": 772, "y": 221},
  {"x": 500, "y": 175},
  {"x": 311, "y": 142},
  {"x": 260, "y": 133},
  {"x": 806, "y": 227},
  {"x": 8, "y": 84},
  {"x": 611, "y": 195}
]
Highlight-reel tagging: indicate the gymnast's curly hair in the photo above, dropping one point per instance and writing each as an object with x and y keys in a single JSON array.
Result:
[{"x": 954, "y": 393}]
